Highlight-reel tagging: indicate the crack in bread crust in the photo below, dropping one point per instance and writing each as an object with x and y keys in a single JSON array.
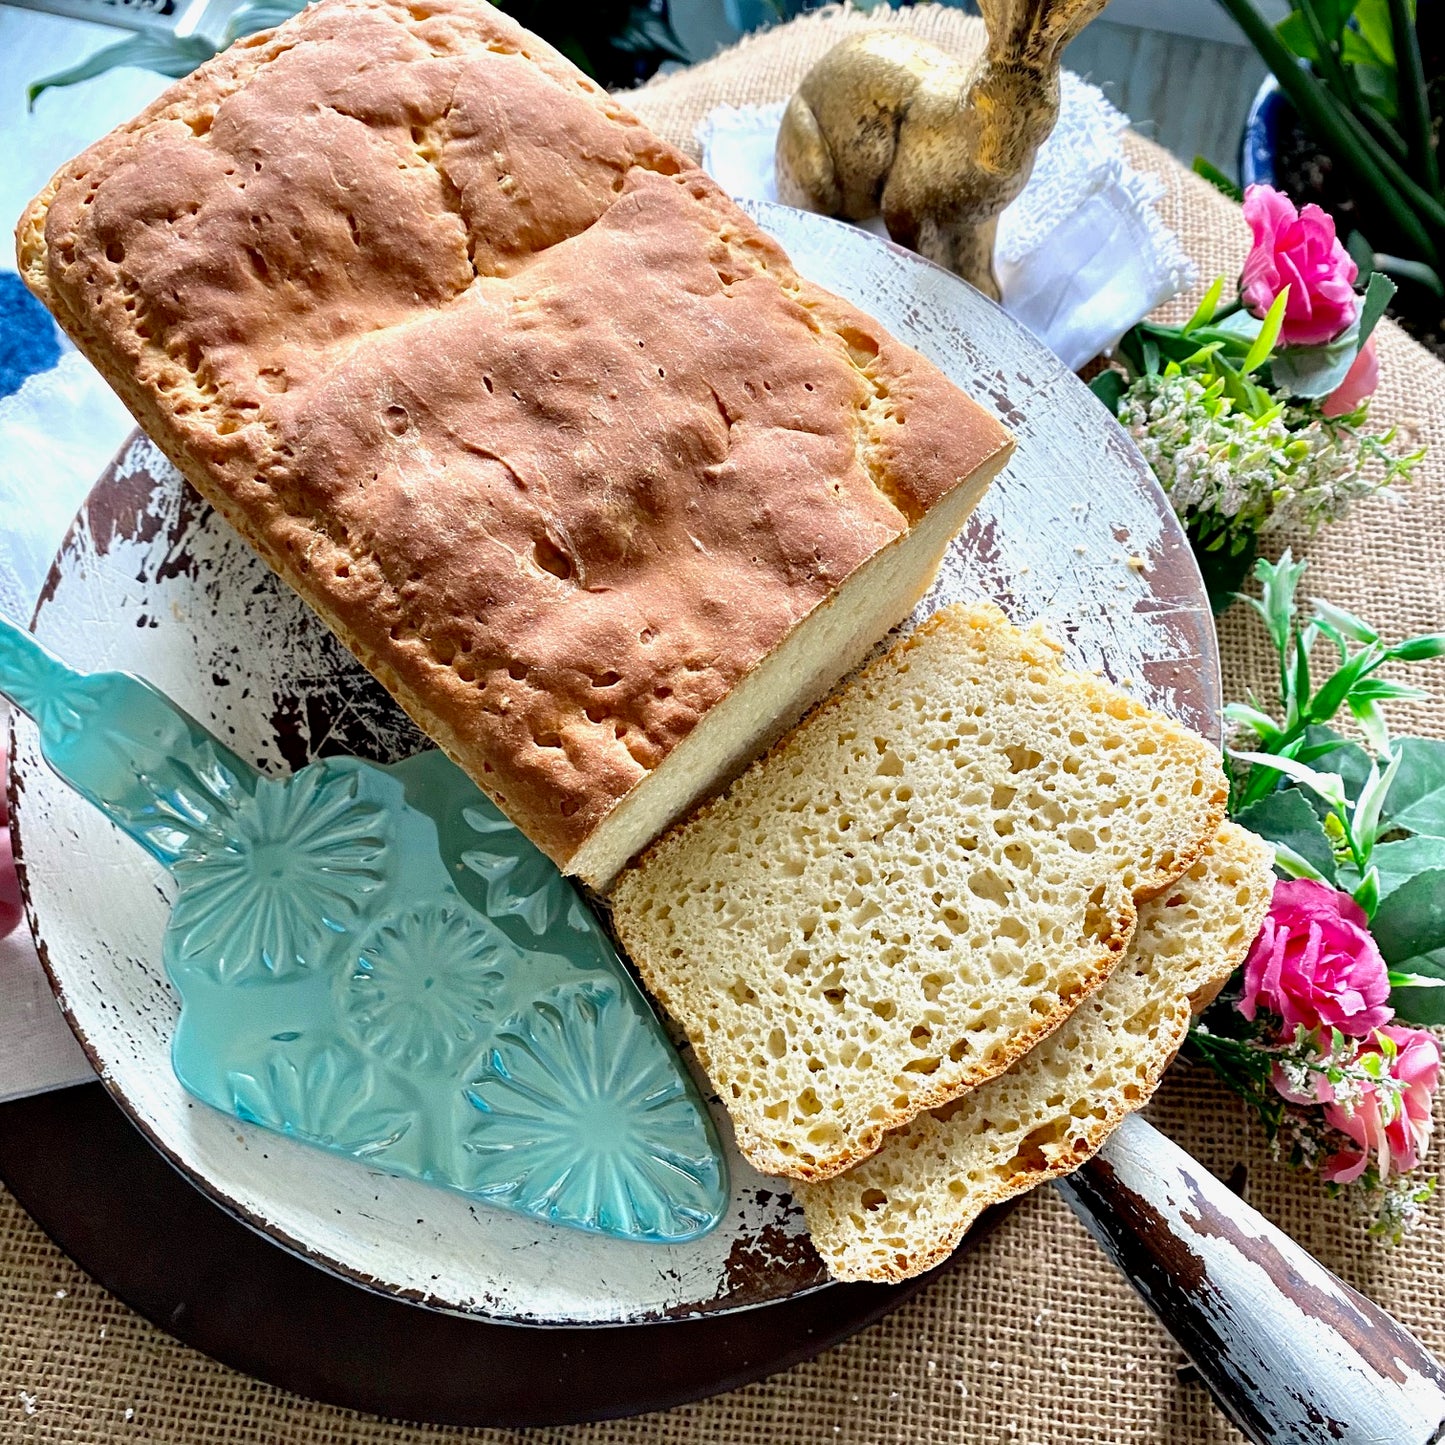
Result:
[{"x": 438, "y": 325}]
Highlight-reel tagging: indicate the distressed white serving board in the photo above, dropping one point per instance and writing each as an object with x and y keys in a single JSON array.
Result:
[{"x": 152, "y": 582}]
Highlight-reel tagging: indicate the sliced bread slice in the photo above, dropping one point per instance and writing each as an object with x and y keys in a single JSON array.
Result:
[
  {"x": 905, "y": 1209},
  {"x": 916, "y": 885}
]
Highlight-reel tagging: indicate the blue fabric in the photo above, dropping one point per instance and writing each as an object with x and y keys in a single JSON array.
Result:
[{"x": 28, "y": 339}]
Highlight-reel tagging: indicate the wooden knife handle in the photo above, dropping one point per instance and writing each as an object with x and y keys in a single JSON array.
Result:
[{"x": 1291, "y": 1353}]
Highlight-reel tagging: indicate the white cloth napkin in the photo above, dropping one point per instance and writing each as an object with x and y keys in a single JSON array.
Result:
[{"x": 1081, "y": 254}]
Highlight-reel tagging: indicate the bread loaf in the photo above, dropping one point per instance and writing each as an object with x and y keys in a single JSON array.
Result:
[
  {"x": 538, "y": 421},
  {"x": 914, "y": 887},
  {"x": 906, "y": 1209}
]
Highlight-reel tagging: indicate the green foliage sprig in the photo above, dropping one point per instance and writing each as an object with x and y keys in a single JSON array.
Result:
[{"x": 1369, "y": 820}]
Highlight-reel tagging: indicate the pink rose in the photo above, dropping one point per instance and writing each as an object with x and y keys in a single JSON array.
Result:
[
  {"x": 11, "y": 909},
  {"x": 1360, "y": 381},
  {"x": 1298, "y": 249},
  {"x": 1315, "y": 963},
  {"x": 1395, "y": 1133}
]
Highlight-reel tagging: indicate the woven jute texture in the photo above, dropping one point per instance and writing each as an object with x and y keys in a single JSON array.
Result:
[{"x": 1033, "y": 1338}]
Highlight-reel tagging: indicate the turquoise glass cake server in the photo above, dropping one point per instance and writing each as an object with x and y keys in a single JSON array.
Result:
[{"x": 373, "y": 960}]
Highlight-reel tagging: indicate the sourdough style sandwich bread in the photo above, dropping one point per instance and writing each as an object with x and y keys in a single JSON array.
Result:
[
  {"x": 919, "y": 883},
  {"x": 906, "y": 1209},
  {"x": 538, "y": 421}
]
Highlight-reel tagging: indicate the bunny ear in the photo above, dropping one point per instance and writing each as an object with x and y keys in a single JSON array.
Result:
[{"x": 1034, "y": 32}]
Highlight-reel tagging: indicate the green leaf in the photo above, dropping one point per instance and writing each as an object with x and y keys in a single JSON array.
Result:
[
  {"x": 1367, "y": 892},
  {"x": 1420, "y": 649},
  {"x": 1263, "y": 346},
  {"x": 1315, "y": 371},
  {"x": 1410, "y": 922},
  {"x": 1109, "y": 386},
  {"x": 1381, "y": 689},
  {"x": 1338, "y": 686},
  {"x": 1372, "y": 26},
  {"x": 1409, "y": 270},
  {"x": 1286, "y": 817},
  {"x": 151, "y": 50},
  {"x": 1379, "y": 292},
  {"x": 1216, "y": 178},
  {"x": 1329, "y": 786},
  {"x": 1417, "y": 1005},
  {"x": 1208, "y": 305},
  {"x": 1279, "y": 581},
  {"x": 1289, "y": 864},
  {"x": 1260, "y": 723},
  {"x": 1365, "y": 823},
  {"x": 1349, "y": 760},
  {"x": 1362, "y": 253},
  {"x": 1401, "y": 860},
  {"x": 1416, "y": 800},
  {"x": 1346, "y": 622},
  {"x": 1295, "y": 33}
]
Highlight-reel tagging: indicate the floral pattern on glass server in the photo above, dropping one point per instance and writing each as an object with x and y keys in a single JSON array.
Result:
[
  {"x": 266, "y": 889},
  {"x": 584, "y": 1120},
  {"x": 422, "y": 986}
]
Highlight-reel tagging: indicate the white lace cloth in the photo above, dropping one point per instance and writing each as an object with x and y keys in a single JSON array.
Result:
[{"x": 1081, "y": 254}]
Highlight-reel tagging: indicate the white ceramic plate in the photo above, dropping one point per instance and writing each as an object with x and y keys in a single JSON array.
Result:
[{"x": 152, "y": 582}]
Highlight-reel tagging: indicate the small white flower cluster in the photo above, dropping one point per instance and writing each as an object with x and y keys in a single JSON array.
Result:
[{"x": 1291, "y": 465}]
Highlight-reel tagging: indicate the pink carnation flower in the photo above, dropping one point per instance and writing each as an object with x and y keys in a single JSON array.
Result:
[
  {"x": 1315, "y": 964},
  {"x": 1395, "y": 1135},
  {"x": 1298, "y": 249}
]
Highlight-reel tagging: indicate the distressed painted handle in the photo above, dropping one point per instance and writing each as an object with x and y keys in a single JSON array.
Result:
[{"x": 1292, "y": 1354}]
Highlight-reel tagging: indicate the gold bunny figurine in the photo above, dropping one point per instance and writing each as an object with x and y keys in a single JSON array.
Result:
[{"x": 887, "y": 123}]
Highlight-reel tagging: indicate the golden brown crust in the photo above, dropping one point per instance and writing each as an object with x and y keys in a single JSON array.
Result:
[{"x": 535, "y": 418}]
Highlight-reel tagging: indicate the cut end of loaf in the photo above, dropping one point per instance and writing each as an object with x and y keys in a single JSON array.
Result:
[
  {"x": 915, "y": 886},
  {"x": 907, "y": 1208}
]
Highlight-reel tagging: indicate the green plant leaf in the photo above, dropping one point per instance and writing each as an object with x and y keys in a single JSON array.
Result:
[
  {"x": 1372, "y": 27},
  {"x": 1401, "y": 860},
  {"x": 1410, "y": 922},
  {"x": 1208, "y": 305},
  {"x": 1353, "y": 627},
  {"x": 1109, "y": 386},
  {"x": 1315, "y": 371},
  {"x": 1416, "y": 271},
  {"x": 1338, "y": 755},
  {"x": 1416, "y": 800},
  {"x": 1295, "y": 33},
  {"x": 1422, "y": 1005},
  {"x": 1329, "y": 786},
  {"x": 1421, "y": 648},
  {"x": 1286, "y": 817},
  {"x": 1379, "y": 292},
  {"x": 151, "y": 50},
  {"x": 1216, "y": 178}
]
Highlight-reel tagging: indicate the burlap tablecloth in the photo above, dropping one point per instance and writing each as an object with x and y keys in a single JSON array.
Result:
[{"x": 1034, "y": 1338}]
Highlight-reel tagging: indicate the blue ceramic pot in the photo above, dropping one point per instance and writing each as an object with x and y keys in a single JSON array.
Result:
[{"x": 1259, "y": 146}]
